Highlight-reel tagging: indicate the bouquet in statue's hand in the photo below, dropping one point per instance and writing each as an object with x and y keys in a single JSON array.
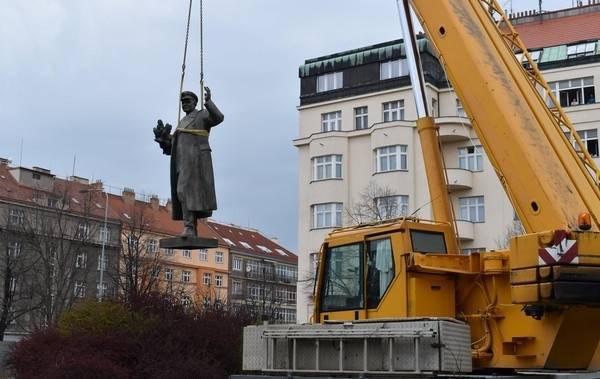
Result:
[{"x": 162, "y": 135}]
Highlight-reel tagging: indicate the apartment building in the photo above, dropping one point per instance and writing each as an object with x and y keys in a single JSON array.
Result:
[
  {"x": 52, "y": 234},
  {"x": 358, "y": 144},
  {"x": 263, "y": 273},
  {"x": 198, "y": 276}
]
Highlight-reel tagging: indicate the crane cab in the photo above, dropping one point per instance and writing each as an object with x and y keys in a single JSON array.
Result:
[{"x": 369, "y": 272}]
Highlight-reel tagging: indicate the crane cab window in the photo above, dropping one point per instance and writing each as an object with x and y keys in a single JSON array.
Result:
[
  {"x": 343, "y": 284},
  {"x": 380, "y": 270},
  {"x": 428, "y": 242}
]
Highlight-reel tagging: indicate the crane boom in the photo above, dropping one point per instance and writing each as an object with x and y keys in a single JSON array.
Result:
[{"x": 545, "y": 178}]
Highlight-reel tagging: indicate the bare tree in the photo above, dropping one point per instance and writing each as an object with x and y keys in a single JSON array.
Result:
[
  {"x": 375, "y": 203},
  {"x": 138, "y": 269},
  {"x": 512, "y": 230},
  {"x": 47, "y": 248}
]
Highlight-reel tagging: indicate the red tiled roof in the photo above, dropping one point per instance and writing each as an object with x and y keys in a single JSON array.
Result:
[
  {"x": 250, "y": 241},
  {"x": 560, "y": 31},
  {"x": 159, "y": 220}
]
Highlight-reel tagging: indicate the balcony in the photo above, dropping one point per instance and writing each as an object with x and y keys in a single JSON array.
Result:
[
  {"x": 454, "y": 129},
  {"x": 466, "y": 230},
  {"x": 459, "y": 179}
]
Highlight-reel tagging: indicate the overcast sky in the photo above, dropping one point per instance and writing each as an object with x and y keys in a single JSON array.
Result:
[{"x": 90, "y": 78}]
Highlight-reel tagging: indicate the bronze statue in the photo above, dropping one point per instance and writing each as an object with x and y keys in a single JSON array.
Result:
[{"x": 192, "y": 180}]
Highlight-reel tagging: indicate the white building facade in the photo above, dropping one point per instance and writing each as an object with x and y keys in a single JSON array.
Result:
[{"x": 358, "y": 143}]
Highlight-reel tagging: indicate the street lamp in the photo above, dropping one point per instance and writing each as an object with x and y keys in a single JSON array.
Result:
[{"x": 104, "y": 238}]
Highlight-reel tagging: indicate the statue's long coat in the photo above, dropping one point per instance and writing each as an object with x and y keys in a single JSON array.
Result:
[{"x": 192, "y": 179}]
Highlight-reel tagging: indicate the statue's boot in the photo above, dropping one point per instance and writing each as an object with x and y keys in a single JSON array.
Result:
[{"x": 190, "y": 224}]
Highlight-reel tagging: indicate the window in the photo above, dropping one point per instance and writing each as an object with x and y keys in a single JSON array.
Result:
[
  {"x": 236, "y": 264},
  {"x": 186, "y": 301},
  {"x": 392, "y": 206},
  {"x": 53, "y": 203},
  {"x": 535, "y": 55},
  {"x": 460, "y": 110},
  {"x": 393, "y": 69},
  {"x": 219, "y": 257},
  {"x": 246, "y": 245},
  {"x": 36, "y": 176},
  {"x": 380, "y": 270},
  {"x": 470, "y": 158},
  {"x": 590, "y": 140},
  {"x": 286, "y": 316},
  {"x": 329, "y": 82},
  {"x": 14, "y": 249},
  {"x": 327, "y": 167},
  {"x": 361, "y": 118},
  {"x": 102, "y": 263},
  {"x": 168, "y": 274},
  {"x": 79, "y": 290},
  {"x": 393, "y": 110},
  {"x": 186, "y": 253},
  {"x": 82, "y": 231},
  {"x": 331, "y": 121},
  {"x": 105, "y": 234},
  {"x": 168, "y": 252},
  {"x": 16, "y": 217},
  {"x": 428, "y": 242},
  {"x": 434, "y": 108},
  {"x": 152, "y": 246},
  {"x": 206, "y": 279},
  {"x": 326, "y": 215},
  {"x": 203, "y": 254},
  {"x": 219, "y": 280},
  {"x": 391, "y": 158},
  {"x": 255, "y": 292},
  {"x": 101, "y": 289},
  {"x": 471, "y": 209},
  {"x": 574, "y": 91},
  {"x": 80, "y": 260},
  {"x": 281, "y": 252},
  {"x": 286, "y": 273},
  {"x": 132, "y": 242},
  {"x": 343, "y": 284},
  {"x": 155, "y": 271},
  {"x": 229, "y": 241},
  {"x": 236, "y": 287},
  {"x": 581, "y": 50},
  {"x": 186, "y": 276},
  {"x": 264, "y": 248}
]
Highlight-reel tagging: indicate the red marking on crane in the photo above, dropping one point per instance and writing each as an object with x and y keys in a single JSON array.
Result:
[{"x": 563, "y": 251}]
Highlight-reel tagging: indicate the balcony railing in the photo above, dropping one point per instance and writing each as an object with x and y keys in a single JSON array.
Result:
[
  {"x": 465, "y": 230},
  {"x": 454, "y": 129},
  {"x": 459, "y": 179}
]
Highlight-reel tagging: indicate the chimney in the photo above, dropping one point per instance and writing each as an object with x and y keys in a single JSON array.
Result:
[
  {"x": 169, "y": 206},
  {"x": 154, "y": 203},
  {"x": 97, "y": 185},
  {"x": 128, "y": 196},
  {"x": 79, "y": 179},
  {"x": 275, "y": 239}
]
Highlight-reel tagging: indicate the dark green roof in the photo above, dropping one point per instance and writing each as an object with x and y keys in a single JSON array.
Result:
[{"x": 374, "y": 53}]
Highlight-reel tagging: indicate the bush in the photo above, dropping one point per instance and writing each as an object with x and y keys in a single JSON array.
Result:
[{"x": 149, "y": 337}]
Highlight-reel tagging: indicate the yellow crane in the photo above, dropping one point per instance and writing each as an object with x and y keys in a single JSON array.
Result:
[{"x": 535, "y": 305}]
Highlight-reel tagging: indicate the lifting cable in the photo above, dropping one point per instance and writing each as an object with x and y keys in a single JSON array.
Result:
[{"x": 187, "y": 35}]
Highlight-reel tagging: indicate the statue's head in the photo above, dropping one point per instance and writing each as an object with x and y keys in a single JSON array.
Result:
[{"x": 189, "y": 100}]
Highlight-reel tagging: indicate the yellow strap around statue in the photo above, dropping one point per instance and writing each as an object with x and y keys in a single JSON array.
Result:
[{"x": 196, "y": 132}]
